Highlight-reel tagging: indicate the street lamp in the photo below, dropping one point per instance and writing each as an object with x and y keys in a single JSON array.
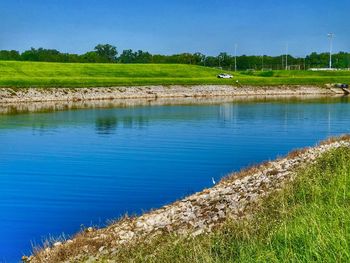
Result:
[{"x": 330, "y": 36}]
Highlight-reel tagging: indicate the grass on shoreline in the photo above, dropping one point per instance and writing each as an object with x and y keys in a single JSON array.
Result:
[
  {"x": 17, "y": 74},
  {"x": 309, "y": 221}
]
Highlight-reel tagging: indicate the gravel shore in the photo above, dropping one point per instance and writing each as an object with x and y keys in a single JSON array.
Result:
[{"x": 9, "y": 95}]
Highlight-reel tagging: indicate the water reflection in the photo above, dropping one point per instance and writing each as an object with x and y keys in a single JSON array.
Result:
[
  {"x": 108, "y": 120},
  {"x": 45, "y": 107},
  {"x": 106, "y": 125},
  {"x": 139, "y": 121}
]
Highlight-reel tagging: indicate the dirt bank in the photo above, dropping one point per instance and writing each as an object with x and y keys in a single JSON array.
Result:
[{"x": 8, "y": 95}]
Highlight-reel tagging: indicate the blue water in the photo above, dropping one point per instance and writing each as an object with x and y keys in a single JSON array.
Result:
[{"x": 60, "y": 170}]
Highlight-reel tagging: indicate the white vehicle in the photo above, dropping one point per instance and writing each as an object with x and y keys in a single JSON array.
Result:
[{"x": 225, "y": 76}]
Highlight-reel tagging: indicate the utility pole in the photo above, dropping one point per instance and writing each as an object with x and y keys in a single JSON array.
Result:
[
  {"x": 235, "y": 57},
  {"x": 262, "y": 62},
  {"x": 330, "y": 36}
]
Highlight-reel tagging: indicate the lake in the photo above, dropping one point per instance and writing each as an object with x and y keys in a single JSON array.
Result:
[{"x": 63, "y": 168}]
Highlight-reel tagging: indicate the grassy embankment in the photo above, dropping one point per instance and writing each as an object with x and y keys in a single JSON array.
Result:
[
  {"x": 41, "y": 74},
  {"x": 309, "y": 221}
]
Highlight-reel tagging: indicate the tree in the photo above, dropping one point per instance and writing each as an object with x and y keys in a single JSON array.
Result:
[
  {"x": 127, "y": 56},
  {"x": 198, "y": 58},
  {"x": 9, "y": 55},
  {"x": 107, "y": 52},
  {"x": 48, "y": 55},
  {"x": 143, "y": 57},
  {"x": 92, "y": 57},
  {"x": 225, "y": 60}
]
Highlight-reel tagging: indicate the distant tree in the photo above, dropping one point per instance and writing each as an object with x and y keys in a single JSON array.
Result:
[
  {"x": 73, "y": 58},
  {"x": 143, "y": 57},
  {"x": 30, "y": 55},
  {"x": 48, "y": 55},
  {"x": 127, "y": 56},
  {"x": 225, "y": 60},
  {"x": 243, "y": 63},
  {"x": 92, "y": 57},
  {"x": 107, "y": 51},
  {"x": 9, "y": 55},
  {"x": 159, "y": 59},
  {"x": 318, "y": 60},
  {"x": 211, "y": 61},
  {"x": 198, "y": 58},
  {"x": 108, "y": 54}
]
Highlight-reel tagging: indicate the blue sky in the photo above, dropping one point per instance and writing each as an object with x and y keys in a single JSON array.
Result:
[{"x": 174, "y": 26}]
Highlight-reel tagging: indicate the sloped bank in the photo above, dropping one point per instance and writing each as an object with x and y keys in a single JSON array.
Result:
[
  {"x": 232, "y": 198},
  {"x": 9, "y": 95}
]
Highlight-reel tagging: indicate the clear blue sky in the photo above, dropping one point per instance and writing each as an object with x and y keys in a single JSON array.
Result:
[{"x": 174, "y": 26}]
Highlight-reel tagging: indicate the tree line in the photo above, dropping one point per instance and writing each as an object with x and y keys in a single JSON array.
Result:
[{"x": 105, "y": 53}]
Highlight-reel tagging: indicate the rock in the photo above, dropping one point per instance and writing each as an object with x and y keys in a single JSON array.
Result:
[
  {"x": 221, "y": 214},
  {"x": 57, "y": 244},
  {"x": 198, "y": 232},
  {"x": 25, "y": 259},
  {"x": 103, "y": 236},
  {"x": 220, "y": 206},
  {"x": 138, "y": 224},
  {"x": 86, "y": 248},
  {"x": 126, "y": 235}
]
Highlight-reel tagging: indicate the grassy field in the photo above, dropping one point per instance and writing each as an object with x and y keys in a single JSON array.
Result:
[
  {"x": 41, "y": 74},
  {"x": 309, "y": 221}
]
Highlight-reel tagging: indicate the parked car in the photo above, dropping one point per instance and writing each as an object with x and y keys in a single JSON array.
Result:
[{"x": 225, "y": 76}]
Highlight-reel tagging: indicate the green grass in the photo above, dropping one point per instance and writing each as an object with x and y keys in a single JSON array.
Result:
[
  {"x": 309, "y": 221},
  {"x": 41, "y": 74}
]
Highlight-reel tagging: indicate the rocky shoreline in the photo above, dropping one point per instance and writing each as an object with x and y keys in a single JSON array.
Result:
[
  {"x": 15, "y": 95},
  {"x": 232, "y": 198}
]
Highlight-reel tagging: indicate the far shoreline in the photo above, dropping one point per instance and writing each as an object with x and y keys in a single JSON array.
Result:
[{"x": 18, "y": 95}]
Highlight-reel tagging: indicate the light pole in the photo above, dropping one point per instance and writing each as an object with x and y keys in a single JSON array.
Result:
[
  {"x": 330, "y": 36},
  {"x": 235, "y": 57}
]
